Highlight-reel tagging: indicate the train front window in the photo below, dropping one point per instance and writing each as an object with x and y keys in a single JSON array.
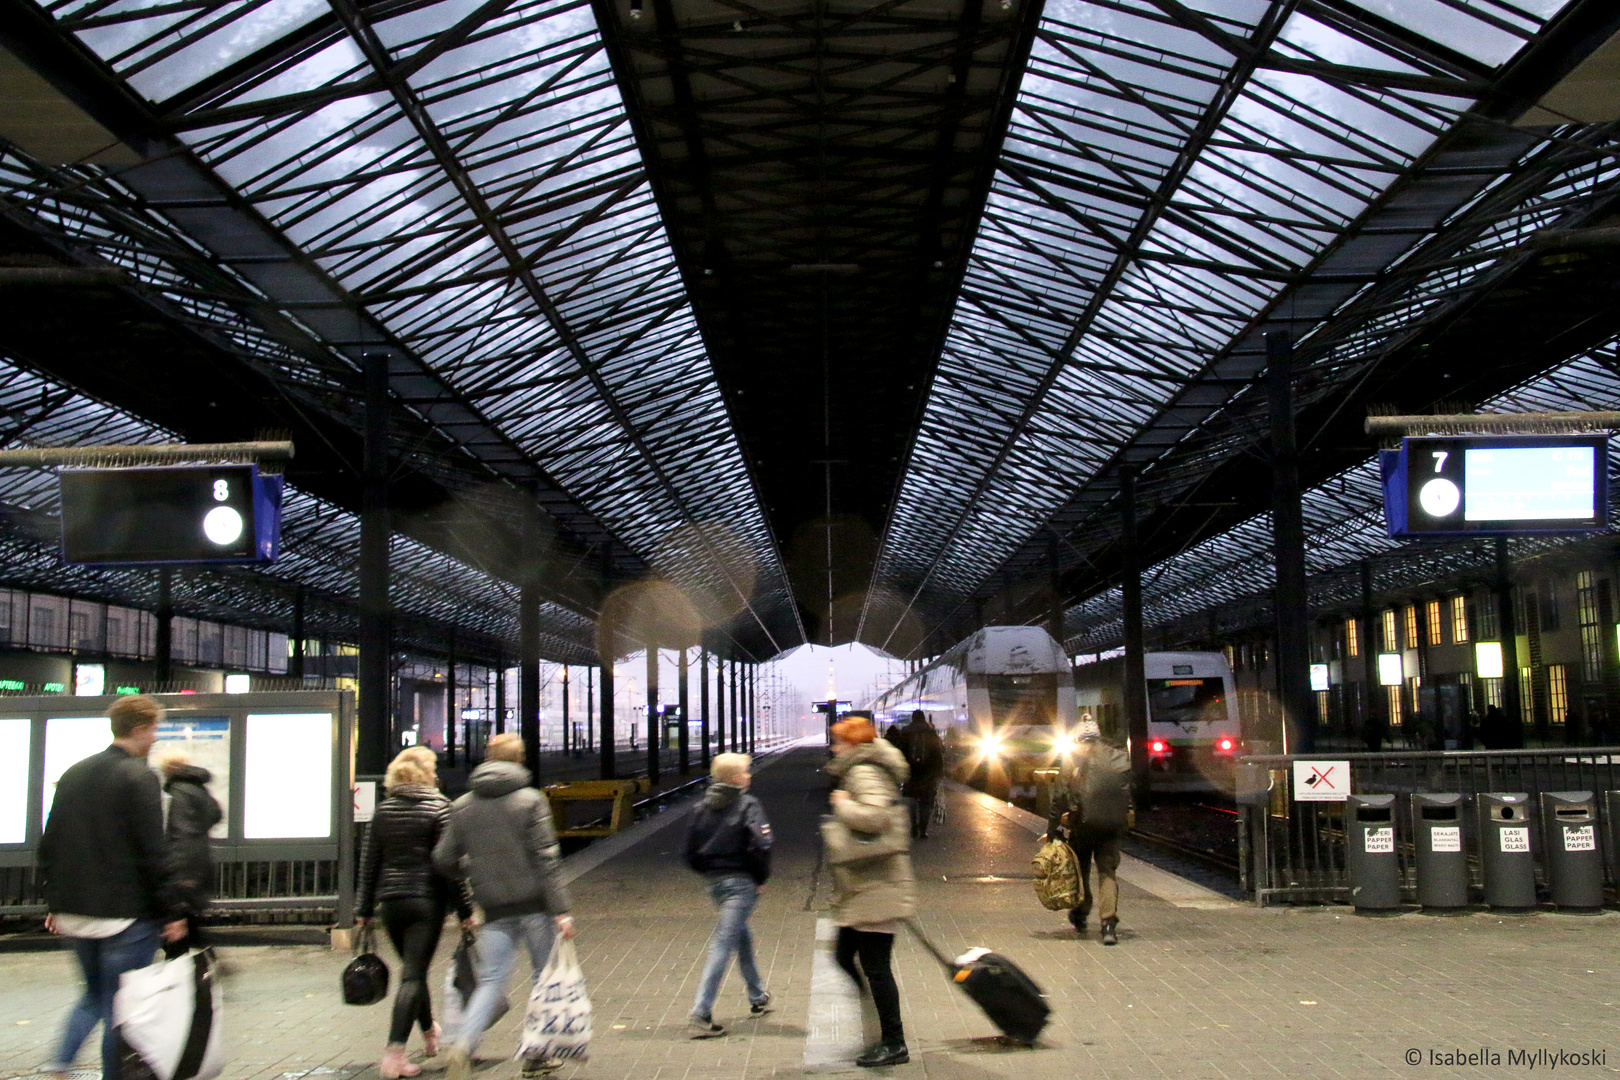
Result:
[
  {"x": 1183, "y": 701},
  {"x": 1022, "y": 699}
]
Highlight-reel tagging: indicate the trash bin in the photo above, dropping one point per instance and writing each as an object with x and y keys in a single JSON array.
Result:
[
  {"x": 1574, "y": 862},
  {"x": 1442, "y": 860},
  {"x": 1504, "y": 850},
  {"x": 1375, "y": 872}
]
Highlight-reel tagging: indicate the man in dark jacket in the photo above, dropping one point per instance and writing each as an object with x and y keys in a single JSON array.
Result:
[
  {"x": 925, "y": 754},
  {"x": 729, "y": 841},
  {"x": 501, "y": 837},
  {"x": 193, "y": 813},
  {"x": 1097, "y": 797},
  {"x": 107, "y": 872}
]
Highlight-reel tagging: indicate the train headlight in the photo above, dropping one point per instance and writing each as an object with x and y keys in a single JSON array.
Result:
[
  {"x": 1064, "y": 744},
  {"x": 990, "y": 746}
]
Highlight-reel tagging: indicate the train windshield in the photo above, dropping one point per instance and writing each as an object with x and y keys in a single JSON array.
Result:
[
  {"x": 1022, "y": 699},
  {"x": 1182, "y": 701}
]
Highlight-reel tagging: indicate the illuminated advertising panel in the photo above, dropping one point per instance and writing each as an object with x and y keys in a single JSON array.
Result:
[
  {"x": 206, "y": 743},
  {"x": 16, "y": 745},
  {"x": 68, "y": 741},
  {"x": 287, "y": 777}
]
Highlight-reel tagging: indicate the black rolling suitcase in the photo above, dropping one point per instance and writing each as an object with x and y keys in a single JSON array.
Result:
[{"x": 1008, "y": 997}]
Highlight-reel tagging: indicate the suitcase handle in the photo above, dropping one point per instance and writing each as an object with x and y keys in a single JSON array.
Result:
[{"x": 944, "y": 961}]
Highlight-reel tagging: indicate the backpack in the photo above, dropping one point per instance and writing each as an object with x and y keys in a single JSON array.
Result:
[
  {"x": 1057, "y": 876},
  {"x": 1100, "y": 787}
]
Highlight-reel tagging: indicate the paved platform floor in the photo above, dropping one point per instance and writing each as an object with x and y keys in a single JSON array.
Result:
[{"x": 1199, "y": 987}]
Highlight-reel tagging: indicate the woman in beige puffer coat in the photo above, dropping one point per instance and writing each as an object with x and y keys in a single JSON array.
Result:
[{"x": 871, "y": 898}]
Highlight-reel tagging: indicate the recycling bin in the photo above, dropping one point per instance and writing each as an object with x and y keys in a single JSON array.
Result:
[
  {"x": 1574, "y": 861},
  {"x": 1504, "y": 850},
  {"x": 1375, "y": 871},
  {"x": 1442, "y": 859}
]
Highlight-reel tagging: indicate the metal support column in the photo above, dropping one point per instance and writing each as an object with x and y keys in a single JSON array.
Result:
[
  {"x": 655, "y": 722},
  {"x": 500, "y": 695},
  {"x": 609, "y": 768},
  {"x": 753, "y": 708},
  {"x": 375, "y": 737},
  {"x": 452, "y": 715},
  {"x": 1376, "y": 723},
  {"x": 681, "y": 697},
  {"x": 590, "y": 708},
  {"x": 295, "y": 664},
  {"x": 568, "y": 732},
  {"x": 1136, "y": 719},
  {"x": 1511, "y": 705},
  {"x": 703, "y": 706},
  {"x": 529, "y": 672},
  {"x": 163, "y": 643},
  {"x": 1288, "y": 549},
  {"x": 719, "y": 705}
]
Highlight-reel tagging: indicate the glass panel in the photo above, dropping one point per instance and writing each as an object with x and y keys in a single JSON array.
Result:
[
  {"x": 68, "y": 741},
  {"x": 203, "y": 741},
  {"x": 16, "y": 761},
  {"x": 287, "y": 781}
]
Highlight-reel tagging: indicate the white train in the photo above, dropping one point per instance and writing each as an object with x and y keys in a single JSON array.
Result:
[
  {"x": 1003, "y": 700},
  {"x": 1194, "y": 735}
]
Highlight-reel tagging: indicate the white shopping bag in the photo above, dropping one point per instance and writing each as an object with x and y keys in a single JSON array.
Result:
[
  {"x": 168, "y": 1017},
  {"x": 558, "y": 1024}
]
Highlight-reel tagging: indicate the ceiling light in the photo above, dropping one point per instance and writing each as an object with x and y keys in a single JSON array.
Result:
[{"x": 635, "y": 9}]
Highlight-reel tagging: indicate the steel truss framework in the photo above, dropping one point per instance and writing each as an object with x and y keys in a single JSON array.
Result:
[
  {"x": 454, "y": 185},
  {"x": 436, "y": 598},
  {"x": 1180, "y": 180},
  {"x": 1219, "y": 585}
]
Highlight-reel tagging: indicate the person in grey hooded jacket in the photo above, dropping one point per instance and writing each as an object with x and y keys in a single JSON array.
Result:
[
  {"x": 729, "y": 841},
  {"x": 501, "y": 837}
]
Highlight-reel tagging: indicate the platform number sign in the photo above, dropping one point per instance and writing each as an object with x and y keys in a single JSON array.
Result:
[
  {"x": 1496, "y": 485},
  {"x": 1321, "y": 781},
  {"x": 173, "y": 514}
]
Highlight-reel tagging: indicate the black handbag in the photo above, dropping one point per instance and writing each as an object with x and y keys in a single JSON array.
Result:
[{"x": 365, "y": 978}]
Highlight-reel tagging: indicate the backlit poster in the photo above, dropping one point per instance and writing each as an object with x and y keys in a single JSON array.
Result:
[
  {"x": 287, "y": 778},
  {"x": 206, "y": 743},
  {"x": 68, "y": 741},
  {"x": 14, "y": 764}
]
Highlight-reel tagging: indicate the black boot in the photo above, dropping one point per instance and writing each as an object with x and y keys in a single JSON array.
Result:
[
  {"x": 884, "y": 1053},
  {"x": 1077, "y": 919}
]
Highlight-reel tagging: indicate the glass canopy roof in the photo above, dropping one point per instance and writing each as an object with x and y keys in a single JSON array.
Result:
[
  {"x": 1344, "y": 523},
  {"x": 460, "y": 180},
  {"x": 1174, "y": 174}
]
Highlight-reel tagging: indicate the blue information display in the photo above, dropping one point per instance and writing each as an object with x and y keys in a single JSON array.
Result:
[
  {"x": 1478, "y": 485},
  {"x": 176, "y": 514}
]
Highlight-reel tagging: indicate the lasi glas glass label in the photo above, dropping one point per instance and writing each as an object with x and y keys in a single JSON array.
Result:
[{"x": 1516, "y": 838}]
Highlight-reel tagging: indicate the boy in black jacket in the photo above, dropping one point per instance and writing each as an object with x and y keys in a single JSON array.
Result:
[{"x": 729, "y": 841}]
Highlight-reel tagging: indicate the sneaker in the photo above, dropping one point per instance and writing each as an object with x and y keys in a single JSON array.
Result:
[
  {"x": 761, "y": 1007},
  {"x": 881, "y": 1054},
  {"x": 701, "y": 1027},
  {"x": 1110, "y": 936},
  {"x": 541, "y": 1066},
  {"x": 458, "y": 1065}
]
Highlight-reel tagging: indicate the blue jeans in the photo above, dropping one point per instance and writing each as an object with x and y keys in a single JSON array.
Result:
[
  {"x": 102, "y": 961},
  {"x": 497, "y": 954},
  {"x": 735, "y": 895}
]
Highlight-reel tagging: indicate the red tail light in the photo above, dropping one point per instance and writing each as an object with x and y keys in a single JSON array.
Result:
[
  {"x": 1226, "y": 746},
  {"x": 1158, "y": 746}
]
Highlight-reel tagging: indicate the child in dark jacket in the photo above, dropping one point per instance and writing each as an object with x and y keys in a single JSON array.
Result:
[{"x": 729, "y": 841}]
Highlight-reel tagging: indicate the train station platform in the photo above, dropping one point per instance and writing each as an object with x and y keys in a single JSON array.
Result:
[{"x": 1199, "y": 987}]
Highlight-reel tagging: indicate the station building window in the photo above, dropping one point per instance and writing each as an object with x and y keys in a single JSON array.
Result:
[
  {"x": 1487, "y": 625},
  {"x": 1411, "y": 622},
  {"x": 1436, "y": 631},
  {"x": 1586, "y": 606},
  {"x": 1396, "y": 698},
  {"x": 1391, "y": 641},
  {"x": 1352, "y": 638},
  {"x": 1557, "y": 693},
  {"x": 1527, "y": 693},
  {"x": 1459, "y": 619}
]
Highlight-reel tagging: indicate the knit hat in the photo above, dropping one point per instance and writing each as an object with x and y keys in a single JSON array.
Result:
[{"x": 1088, "y": 729}]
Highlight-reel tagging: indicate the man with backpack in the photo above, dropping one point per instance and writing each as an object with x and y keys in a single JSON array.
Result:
[
  {"x": 729, "y": 842},
  {"x": 1096, "y": 793},
  {"x": 925, "y": 754}
]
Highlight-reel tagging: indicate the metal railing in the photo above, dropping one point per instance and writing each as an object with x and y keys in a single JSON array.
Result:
[{"x": 1292, "y": 851}]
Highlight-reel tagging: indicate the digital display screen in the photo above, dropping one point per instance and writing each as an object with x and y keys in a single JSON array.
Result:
[
  {"x": 288, "y": 776},
  {"x": 1530, "y": 483},
  {"x": 68, "y": 741},
  {"x": 1461, "y": 485},
  {"x": 182, "y": 514},
  {"x": 15, "y": 760}
]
